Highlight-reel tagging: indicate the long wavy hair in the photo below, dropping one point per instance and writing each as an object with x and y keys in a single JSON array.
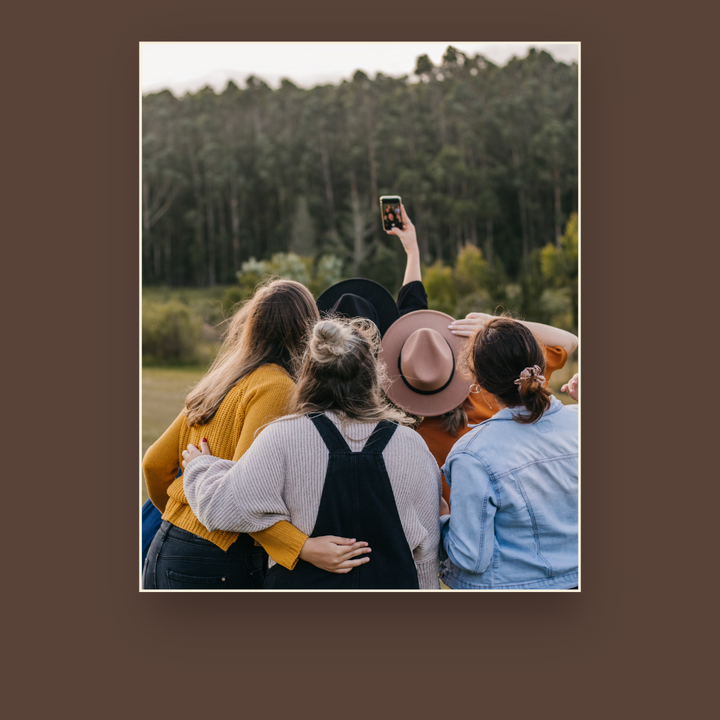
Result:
[
  {"x": 270, "y": 328},
  {"x": 497, "y": 355},
  {"x": 340, "y": 372}
]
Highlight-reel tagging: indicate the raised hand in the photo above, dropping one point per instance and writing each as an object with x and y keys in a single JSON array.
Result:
[
  {"x": 467, "y": 326},
  {"x": 407, "y": 235},
  {"x": 572, "y": 387}
]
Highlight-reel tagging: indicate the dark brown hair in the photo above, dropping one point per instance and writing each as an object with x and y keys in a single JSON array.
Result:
[
  {"x": 497, "y": 354},
  {"x": 270, "y": 328}
]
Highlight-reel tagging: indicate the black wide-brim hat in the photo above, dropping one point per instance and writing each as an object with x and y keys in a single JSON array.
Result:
[{"x": 359, "y": 297}]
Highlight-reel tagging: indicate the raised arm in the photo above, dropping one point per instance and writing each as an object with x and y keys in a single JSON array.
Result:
[
  {"x": 408, "y": 238},
  {"x": 553, "y": 337},
  {"x": 548, "y": 335}
]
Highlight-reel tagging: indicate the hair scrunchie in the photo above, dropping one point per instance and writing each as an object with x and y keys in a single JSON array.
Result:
[{"x": 529, "y": 373}]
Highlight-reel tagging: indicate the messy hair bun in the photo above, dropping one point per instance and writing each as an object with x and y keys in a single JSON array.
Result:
[
  {"x": 340, "y": 372},
  {"x": 506, "y": 360},
  {"x": 329, "y": 342}
]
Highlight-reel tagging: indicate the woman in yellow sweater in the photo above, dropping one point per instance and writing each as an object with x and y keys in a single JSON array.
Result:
[{"x": 248, "y": 385}]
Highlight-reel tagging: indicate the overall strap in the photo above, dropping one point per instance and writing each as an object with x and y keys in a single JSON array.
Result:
[
  {"x": 380, "y": 437},
  {"x": 335, "y": 442},
  {"x": 331, "y": 436}
]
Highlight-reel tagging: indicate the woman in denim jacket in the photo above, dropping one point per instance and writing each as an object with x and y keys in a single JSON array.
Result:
[{"x": 514, "y": 477}]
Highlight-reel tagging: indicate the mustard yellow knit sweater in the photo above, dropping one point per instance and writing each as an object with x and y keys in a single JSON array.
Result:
[{"x": 257, "y": 399}]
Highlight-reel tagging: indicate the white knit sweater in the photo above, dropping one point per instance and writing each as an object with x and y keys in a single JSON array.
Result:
[{"x": 281, "y": 477}]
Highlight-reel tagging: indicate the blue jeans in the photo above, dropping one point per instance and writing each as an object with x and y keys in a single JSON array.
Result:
[
  {"x": 150, "y": 525},
  {"x": 179, "y": 560}
]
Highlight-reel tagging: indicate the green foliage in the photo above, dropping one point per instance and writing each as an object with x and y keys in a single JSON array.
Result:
[
  {"x": 283, "y": 265},
  {"x": 291, "y": 267},
  {"x": 557, "y": 308},
  {"x": 478, "y": 152},
  {"x": 317, "y": 276},
  {"x": 479, "y": 301},
  {"x": 384, "y": 267},
  {"x": 171, "y": 333},
  {"x": 532, "y": 286},
  {"x": 328, "y": 271},
  {"x": 560, "y": 266},
  {"x": 496, "y": 285},
  {"x": 207, "y": 303},
  {"x": 303, "y": 239},
  {"x": 234, "y": 295},
  {"x": 470, "y": 270},
  {"x": 440, "y": 286}
]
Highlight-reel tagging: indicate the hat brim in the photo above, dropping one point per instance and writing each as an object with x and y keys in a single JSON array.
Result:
[
  {"x": 403, "y": 396},
  {"x": 383, "y": 302}
]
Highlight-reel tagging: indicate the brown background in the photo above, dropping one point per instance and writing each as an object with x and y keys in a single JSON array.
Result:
[{"x": 84, "y": 642}]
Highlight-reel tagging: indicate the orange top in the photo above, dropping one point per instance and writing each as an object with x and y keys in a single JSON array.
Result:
[{"x": 478, "y": 407}]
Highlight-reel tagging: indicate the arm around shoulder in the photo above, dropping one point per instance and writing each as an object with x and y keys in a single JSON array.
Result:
[{"x": 244, "y": 496}]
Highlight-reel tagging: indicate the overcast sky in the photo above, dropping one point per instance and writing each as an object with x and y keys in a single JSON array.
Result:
[{"x": 186, "y": 67}]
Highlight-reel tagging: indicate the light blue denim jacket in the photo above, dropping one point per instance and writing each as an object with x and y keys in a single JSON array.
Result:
[{"x": 514, "y": 504}]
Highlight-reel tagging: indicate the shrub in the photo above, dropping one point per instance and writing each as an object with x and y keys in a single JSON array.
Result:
[
  {"x": 475, "y": 302},
  {"x": 383, "y": 268},
  {"x": 560, "y": 265},
  {"x": 558, "y": 308},
  {"x": 328, "y": 271},
  {"x": 170, "y": 333},
  {"x": 470, "y": 270},
  {"x": 234, "y": 295},
  {"x": 440, "y": 286}
]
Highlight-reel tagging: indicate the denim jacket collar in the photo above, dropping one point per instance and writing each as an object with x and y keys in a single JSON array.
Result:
[{"x": 508, "y": 413}]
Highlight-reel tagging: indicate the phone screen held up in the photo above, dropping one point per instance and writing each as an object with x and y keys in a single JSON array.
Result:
[{"x": 391, "y": 212}]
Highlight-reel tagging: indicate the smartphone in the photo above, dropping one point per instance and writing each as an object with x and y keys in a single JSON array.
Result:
[{"x": 391, "y": 211}]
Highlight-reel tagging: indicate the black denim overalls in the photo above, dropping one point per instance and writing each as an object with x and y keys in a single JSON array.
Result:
[{"x": 357, "y": 502}]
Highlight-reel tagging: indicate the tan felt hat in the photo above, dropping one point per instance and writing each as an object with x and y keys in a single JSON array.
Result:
[{"x": 421, "y": 355}]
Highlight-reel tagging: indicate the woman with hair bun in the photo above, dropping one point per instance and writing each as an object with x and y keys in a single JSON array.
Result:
[
  {"x": 248, "y": 384},
  {"x": 514, "y": 477},
  {"x": 342, "y": 463}
]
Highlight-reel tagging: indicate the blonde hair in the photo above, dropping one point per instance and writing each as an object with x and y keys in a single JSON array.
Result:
[
  {"x": 270, "y": 328},
  {"x": 340, "y": 372}
]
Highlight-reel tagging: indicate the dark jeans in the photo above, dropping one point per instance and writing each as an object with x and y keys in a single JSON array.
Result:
[{"x": 179, "y": 560}]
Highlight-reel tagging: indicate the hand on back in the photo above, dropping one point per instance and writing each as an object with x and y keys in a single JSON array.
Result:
[
  {"x": 192, "y": 452},
  {"x": 334, "y": 554}
]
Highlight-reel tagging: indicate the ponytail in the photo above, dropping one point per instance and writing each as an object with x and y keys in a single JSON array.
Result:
[{"x": 506, "y": 360}]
